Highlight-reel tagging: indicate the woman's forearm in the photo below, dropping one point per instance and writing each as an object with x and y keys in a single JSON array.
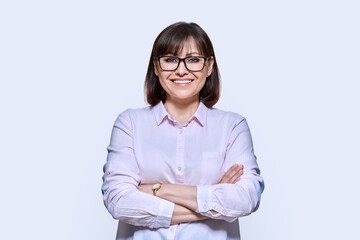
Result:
[
  {"x": 185, "y": 215},
  {"x": 184, "y": 195}
]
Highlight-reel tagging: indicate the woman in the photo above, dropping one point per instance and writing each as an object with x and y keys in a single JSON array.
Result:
[{"x": 181, "y": 169}]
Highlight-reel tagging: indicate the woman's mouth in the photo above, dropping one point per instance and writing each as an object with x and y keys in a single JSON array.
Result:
[{"x": 182, "y": 81}]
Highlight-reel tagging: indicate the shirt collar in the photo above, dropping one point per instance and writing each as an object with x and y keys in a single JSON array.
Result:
[
  {"x": 200, "y": 114},
  {"x": 161, "y": 114}
]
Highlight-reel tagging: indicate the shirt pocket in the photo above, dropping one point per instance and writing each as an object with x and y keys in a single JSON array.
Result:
[{"x": 212, "y": 167}]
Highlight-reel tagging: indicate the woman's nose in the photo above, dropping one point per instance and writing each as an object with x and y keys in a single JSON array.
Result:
[{"x": 182, "y": 68}]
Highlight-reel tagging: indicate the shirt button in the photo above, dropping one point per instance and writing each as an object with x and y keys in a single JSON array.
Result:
[
  {"x": 179, "y": 168},
  {"x": 171, "y": 229},
  {"x": 181, "y": 131}
]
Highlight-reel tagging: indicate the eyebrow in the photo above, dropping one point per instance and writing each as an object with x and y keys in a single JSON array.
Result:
[{"x": 188, "y": 54}]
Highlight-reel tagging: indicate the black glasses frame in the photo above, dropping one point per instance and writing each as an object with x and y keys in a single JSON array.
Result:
[{"x": 183, "y": 60}]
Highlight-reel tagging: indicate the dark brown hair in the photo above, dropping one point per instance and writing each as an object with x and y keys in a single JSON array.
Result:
[{"x": 171, "y": 40}]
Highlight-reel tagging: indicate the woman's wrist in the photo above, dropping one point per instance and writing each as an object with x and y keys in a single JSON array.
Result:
[
  {"x": 184, "y": 195},
  {"x": 185, "y": 215}
]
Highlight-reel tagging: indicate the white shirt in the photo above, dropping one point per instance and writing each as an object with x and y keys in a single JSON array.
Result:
[{"x": 147, "y": 146}]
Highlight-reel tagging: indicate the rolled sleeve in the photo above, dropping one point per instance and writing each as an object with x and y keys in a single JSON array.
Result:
[
  {"x": 120, "y": 181},
  {"x": 165, "y": 213},
  {"x": 231, "y": 201}
]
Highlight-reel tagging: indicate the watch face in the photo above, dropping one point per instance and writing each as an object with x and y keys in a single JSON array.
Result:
[{"x": 155, "y": 188}]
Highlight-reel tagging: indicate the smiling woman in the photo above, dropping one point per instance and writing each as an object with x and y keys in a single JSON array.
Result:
[
  {"x": 185, "y": 40},
  {"x": 183, "y": 82},
  {"x": 181, "y": 168}
]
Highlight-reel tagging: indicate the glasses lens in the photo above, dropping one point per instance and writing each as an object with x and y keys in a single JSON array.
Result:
[
  {"x": 195, "y": 63},
  {"x": 171, "y": 63}
]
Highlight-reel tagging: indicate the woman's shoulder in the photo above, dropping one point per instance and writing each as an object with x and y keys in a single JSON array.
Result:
[
  {"x": 135, "y": 112},
  {"x": 225, "y": 114},
  {"x": 226, "y": 120}
]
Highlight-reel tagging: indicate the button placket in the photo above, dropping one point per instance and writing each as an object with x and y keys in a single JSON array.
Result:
[
  {"x": 180, "y": 155},
  {"x": 171, "y": 233}
]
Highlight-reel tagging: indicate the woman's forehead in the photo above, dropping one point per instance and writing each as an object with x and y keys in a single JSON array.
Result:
[{"x": 185, "y": 47}]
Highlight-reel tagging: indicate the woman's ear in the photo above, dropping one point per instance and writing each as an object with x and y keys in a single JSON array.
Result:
[
  {"x": 156, "y": 71},
  {"x": 210, "y": 66}
]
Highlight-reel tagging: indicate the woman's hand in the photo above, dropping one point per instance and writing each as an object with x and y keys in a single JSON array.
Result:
[{"x": 233, "y": 174}]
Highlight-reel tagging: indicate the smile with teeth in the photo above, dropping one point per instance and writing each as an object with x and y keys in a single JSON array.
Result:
[{"x": 182, "y": 81}]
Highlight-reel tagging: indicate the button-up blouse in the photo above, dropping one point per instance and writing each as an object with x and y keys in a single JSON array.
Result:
[{"x": 148, "y": 146}]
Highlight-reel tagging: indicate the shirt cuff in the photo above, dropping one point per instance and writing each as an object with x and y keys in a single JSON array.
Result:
[
  {"x": 206, "y": 205},
  {"x": 203, "y": 199},
  {"x": 166, "y": 209}
]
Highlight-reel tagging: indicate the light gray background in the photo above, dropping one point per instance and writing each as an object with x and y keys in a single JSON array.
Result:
[{"x": 68, "y": 68}]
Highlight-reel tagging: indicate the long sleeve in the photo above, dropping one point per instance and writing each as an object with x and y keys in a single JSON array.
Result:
[
  {"x": 231, "y": 201},
  {"x": 121, "y": 178}
]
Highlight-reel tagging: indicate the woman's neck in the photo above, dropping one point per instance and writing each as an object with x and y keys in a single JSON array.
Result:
[{"x": 181, "y": 111}]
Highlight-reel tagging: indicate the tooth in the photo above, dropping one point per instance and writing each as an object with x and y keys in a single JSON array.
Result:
[{"x": 182, "y": 81}]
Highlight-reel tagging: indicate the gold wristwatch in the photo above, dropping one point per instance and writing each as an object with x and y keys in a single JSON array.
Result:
[{"x": 156, "y": 188}]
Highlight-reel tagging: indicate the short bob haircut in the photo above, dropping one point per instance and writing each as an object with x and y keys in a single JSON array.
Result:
[{"x": 172, "y": 40}]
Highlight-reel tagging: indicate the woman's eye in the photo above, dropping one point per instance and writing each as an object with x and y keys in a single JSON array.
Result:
[
  {"x": 193, "y": 60},
  {"x": 171, "y": 60}
]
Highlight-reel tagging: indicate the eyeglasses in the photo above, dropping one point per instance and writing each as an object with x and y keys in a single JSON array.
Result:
[{"x": 192, "y": 63}]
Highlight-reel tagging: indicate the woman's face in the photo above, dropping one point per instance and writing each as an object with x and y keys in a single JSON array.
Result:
[{"x": 182, "y": 85}]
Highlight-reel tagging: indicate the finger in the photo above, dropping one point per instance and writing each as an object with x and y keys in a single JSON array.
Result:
[
  {"x": 233, "y": 170},
  {"x": 227, "y": 175},
  {"x": 236, "y": 177},
  {"x": 232, "y": 174}
]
